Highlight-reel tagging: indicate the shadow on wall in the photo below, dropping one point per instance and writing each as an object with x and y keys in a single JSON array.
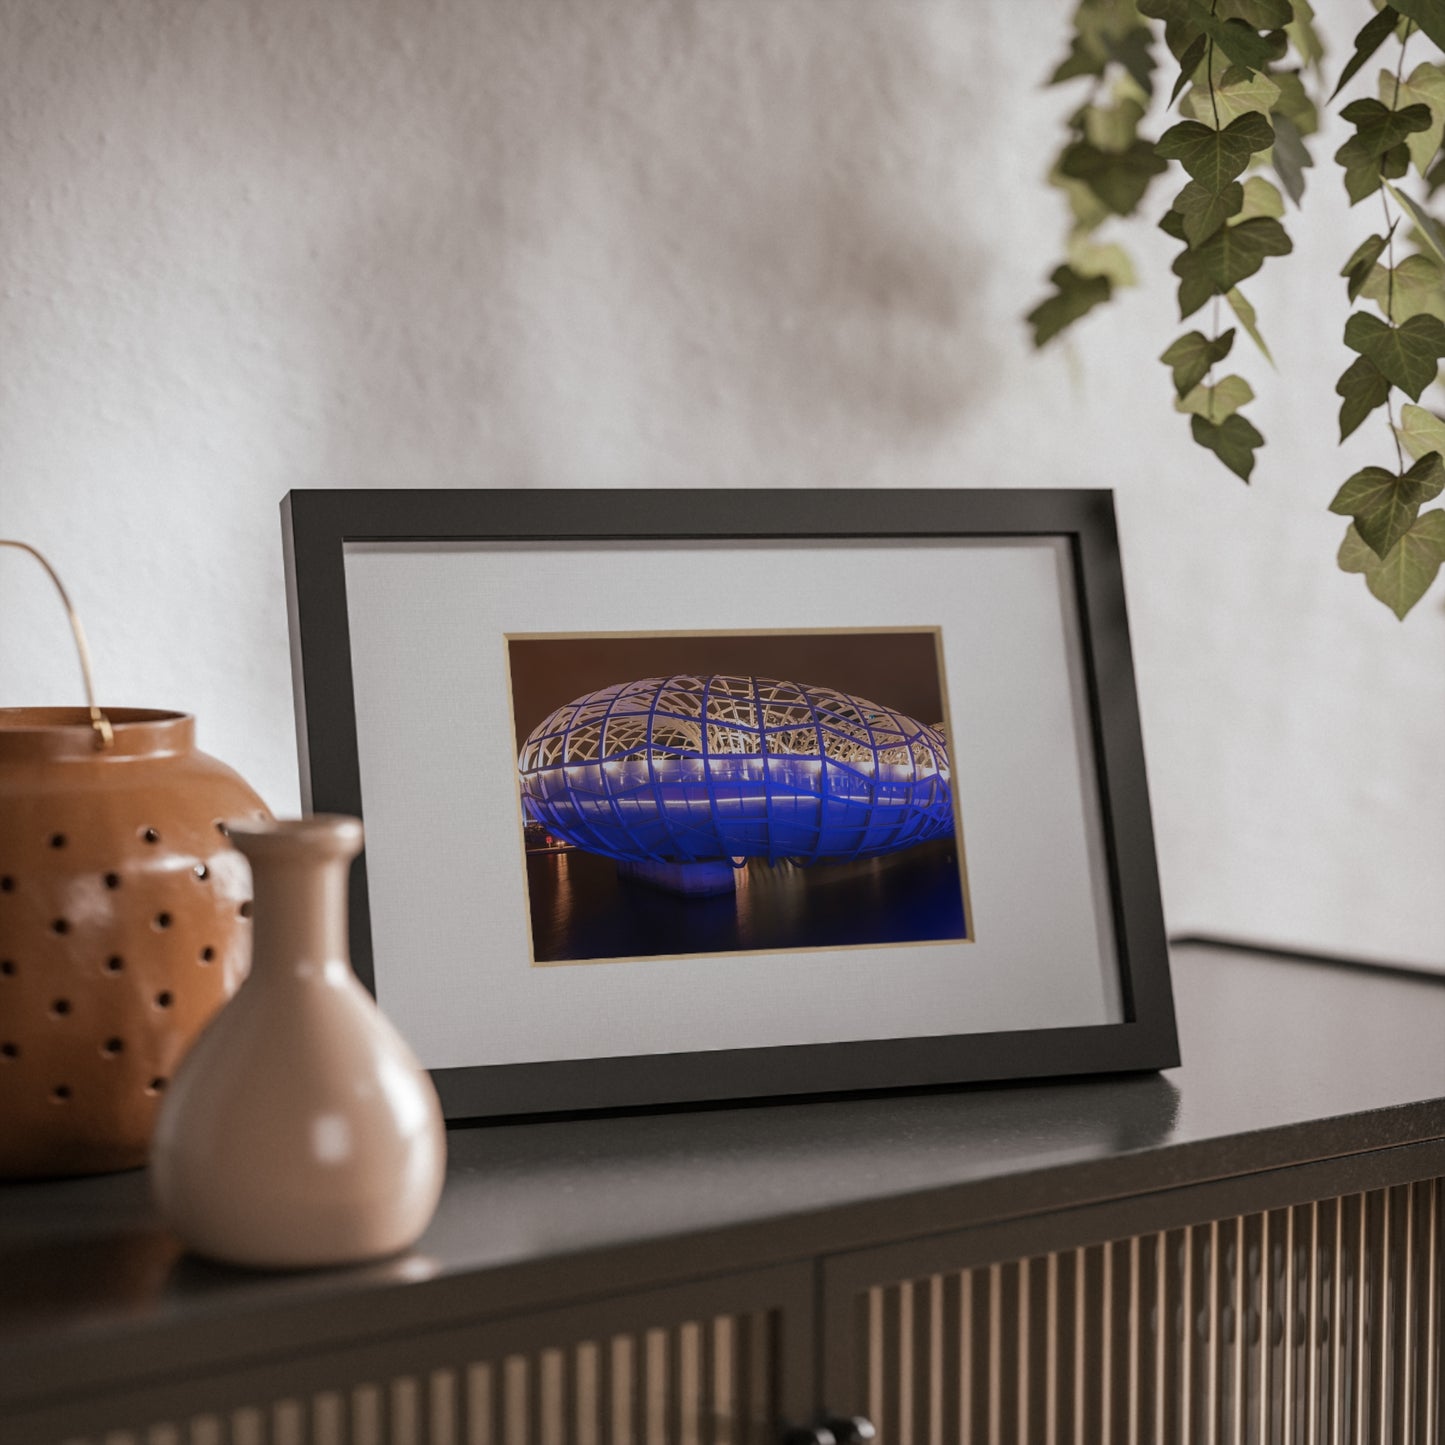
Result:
[{"x": 621, "y": 244}]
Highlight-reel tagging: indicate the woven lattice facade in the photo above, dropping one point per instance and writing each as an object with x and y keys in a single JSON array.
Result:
[{"x": 687, "y": 769}]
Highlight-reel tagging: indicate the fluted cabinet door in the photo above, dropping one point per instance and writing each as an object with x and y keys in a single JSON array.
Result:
[
  {"x": 1301, "y": 1324},
  {"x": 721, "y": 1361}
]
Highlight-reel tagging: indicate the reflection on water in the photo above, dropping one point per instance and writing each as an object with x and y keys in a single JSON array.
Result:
[{"x": 583, "y": 909}]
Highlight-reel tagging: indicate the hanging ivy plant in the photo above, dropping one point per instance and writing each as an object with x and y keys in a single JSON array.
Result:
[{"x": 1244, "y": 73}]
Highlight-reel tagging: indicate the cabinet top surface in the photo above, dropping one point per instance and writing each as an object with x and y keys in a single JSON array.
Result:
[{"x": 1285, "y": 1062}]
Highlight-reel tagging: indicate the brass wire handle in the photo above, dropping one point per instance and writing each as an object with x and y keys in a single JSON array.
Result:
[{"x": 104, "y": 734}]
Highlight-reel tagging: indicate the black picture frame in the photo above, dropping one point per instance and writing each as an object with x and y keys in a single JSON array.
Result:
[{"x": 317, "y": 525}]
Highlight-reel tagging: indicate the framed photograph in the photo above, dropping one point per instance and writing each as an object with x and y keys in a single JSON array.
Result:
[{"x": 686, "y": 795}]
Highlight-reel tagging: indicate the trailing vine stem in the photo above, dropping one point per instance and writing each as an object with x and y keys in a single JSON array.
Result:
[
  {"x": 1384, "y": 199},
  {"x": 1390, "y": 223},
  {"x": 1228, "y": 222},
  {"x": 1397, "y": 547},
  {"x": 1209, "y": 375},
  {"x": 1400, "y": 66},
  {"x": 1214, "y": 305},
  {"x": 1209, "y": 70}
]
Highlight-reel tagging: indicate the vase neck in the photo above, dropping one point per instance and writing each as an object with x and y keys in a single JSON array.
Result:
[
  {"x": 299, "y": 870},
  {"x": 299, "y": 913}
]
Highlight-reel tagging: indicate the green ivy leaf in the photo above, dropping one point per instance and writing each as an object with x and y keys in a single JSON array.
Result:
[
  {"x": 1088, "y": 211},
  {"x": 1363, "y": 178},
  {"x": 1205, "y": 211},
  {"x": 1363, "y": 388},
  {"x": 1135, "y": 52},
  {"x": 1294, "y": 101},
  {"x": 1102, "y": 28},
  {"x": 1418, "y": 290},
  {"x": 1290, "y": 156},
  {"x": 1082, "y": 59},
  {"x": 1241, "y": 42},
  {"x": 1189, "y": 62},
  {"x": 1190, "y": 358},
  {"x": 1420, "y": 431},
  {"x": 1260, "y": 199},
  {"x": 1172, "y": 224},
  {"x": 1113, "y": 127},
  {"x": 1242, "y": 90},
  {"x": 1407, "y": 355},
  {"x": 1216, "y": 157},
  {"x": 1303, "y": 35},
  {"x": 1403, "y": 577},
  {"x": 1377, "y": 147},
  {"x": 1426, "y": 86},
  {"x": 1429, "y": 227},
  {"x": 1111, "y": 261},
  {"x": 1247, "y": 319},
  {"x": 1371, "y": 37},
  {"x": 1182, "y": 28},
  {"x": 1118, "y": 178},
  {"x": 1185, "y": 20},
  {"x": 1075, "y": 296},
  {"x": 1262, "y": 14},
  {"x": 1355, "y": 554},
  {"x": 1378, "y": 128},
  {"x": 1362, "y": 261},
  {"x": 1429, "y": 15},
  {"x": 1215, "y": 403},
  {"x": 1384, "y": 506},
  {"x": 1227, "y": 257},
  {"x": 1234, "y": 441}
]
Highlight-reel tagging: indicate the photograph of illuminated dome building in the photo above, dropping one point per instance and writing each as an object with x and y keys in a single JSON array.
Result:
[{"x": 702, "y": 812}]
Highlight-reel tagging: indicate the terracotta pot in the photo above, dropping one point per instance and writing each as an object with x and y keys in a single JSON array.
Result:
[
  {"x": 124, "y": 925},
  {"x": 300, "y": 1130}
]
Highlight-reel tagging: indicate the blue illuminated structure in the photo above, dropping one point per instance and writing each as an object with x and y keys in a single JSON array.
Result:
[{"x": 694, "y": 769}]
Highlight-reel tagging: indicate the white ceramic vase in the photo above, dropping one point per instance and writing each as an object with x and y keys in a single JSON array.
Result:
[{"x": 299, "y": 1130}]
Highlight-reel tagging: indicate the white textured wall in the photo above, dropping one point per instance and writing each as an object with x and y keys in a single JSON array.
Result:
[{"x": 251, "y": 246}]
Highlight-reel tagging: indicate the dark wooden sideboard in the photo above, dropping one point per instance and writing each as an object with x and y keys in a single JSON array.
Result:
[{"x": 1247, "y": 1248}]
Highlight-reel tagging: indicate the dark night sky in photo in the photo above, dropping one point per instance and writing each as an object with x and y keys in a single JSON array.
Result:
[{"x": 897, "y": 670}]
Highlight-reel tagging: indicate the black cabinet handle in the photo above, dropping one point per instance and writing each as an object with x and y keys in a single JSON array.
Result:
[
  {"x": 835, "y": 1430},
  {"x": 850, "y": 1429}
]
